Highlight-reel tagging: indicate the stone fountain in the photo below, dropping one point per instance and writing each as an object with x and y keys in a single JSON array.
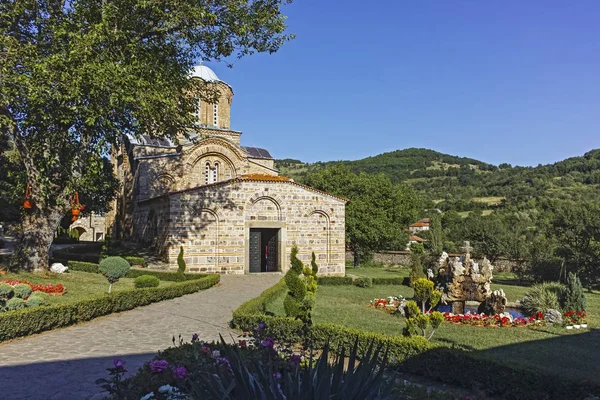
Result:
[{"x": 462, "y": 279}]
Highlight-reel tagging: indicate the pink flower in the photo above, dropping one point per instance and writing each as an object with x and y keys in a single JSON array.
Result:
[
  {"x": 243, "y": 344},
  {"x": 157, "y": 366},
  {"x": 205, "y": 349}
]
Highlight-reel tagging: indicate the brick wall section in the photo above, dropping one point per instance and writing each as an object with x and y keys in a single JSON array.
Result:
[{"x": 212, "y": 224}]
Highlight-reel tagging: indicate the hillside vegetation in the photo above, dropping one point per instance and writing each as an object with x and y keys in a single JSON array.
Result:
[{"x": 465, "y": 184}]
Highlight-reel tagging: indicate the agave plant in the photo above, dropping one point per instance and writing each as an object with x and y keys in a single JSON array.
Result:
[{"x": 345, "y": 378}]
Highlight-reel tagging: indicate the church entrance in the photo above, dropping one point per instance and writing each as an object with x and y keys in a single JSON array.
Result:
[{"x": 264, "y": 250}]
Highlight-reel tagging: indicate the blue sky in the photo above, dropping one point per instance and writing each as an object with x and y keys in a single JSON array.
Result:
[{"x": 515, "y": 81}]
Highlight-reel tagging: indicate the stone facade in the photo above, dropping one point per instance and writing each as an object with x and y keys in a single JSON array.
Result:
[
  {"x": 91, "y": 227},
  {"x": 214, "y": 198}
]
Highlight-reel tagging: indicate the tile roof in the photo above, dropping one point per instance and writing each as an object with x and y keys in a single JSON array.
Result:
[{"x": 419, "y": 224}]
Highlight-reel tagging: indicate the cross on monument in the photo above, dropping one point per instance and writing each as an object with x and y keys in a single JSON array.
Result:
[{"x": 467, "y": 247}]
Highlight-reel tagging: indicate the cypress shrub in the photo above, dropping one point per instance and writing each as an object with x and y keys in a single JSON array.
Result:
[
  {"x": 574, "y": 297},
  {"x": 180, "y": 262}
]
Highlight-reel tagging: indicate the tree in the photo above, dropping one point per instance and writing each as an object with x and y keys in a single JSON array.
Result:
[
  {"x": 77, "y": 75},
  {"x": 436, "y": 242},
  {"x": 378, "y": 210}
]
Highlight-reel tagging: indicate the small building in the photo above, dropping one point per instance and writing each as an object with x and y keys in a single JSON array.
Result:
[
  {"x": 420, "y": 225},
  {"x": 223, "y": 203},
  {"x": 414, "y": 239},
  {"x": 91, "y": 227}
]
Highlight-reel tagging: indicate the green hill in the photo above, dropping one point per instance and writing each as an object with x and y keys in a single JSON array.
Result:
[{"x": 463, "y": 184}]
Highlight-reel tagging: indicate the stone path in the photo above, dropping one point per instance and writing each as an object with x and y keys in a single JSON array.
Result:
[{"x": 64, "y": 364}]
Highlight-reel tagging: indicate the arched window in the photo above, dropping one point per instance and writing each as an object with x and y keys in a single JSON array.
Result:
[
  {"x": 207, "y": 174},
  {"x": 215, "y": 173},
  {"x": 215, "y": 114}
]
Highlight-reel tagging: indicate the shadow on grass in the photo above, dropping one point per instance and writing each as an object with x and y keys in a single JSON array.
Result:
[{"x": 563, "y": 367}]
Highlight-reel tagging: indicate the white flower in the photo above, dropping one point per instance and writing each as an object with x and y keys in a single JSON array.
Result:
[
  {"x": 148, "y": 396},
  {"x": 165, "y": 389},
  {"x": 216, "y": 354}
]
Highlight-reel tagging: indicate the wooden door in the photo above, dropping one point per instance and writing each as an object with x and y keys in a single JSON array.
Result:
[
  {"x": 273, "y": 253},
  {"x": 255, "y": 250}
]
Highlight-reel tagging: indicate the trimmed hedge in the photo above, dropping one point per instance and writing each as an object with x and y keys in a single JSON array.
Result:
[
  {"x": 347, "y": 280},
  {"x": 135, "y": 260},
  {"x": 14, "y": 324},
  {"x": 134, "y": 273},
  {"x": 363, "y": 282},
  {"x": 334, "y": 280}
]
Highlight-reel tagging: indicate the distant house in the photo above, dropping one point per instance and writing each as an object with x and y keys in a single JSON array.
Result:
[
  {"x": 420, "y": 225},
  {"x": 414, "y": 239}
]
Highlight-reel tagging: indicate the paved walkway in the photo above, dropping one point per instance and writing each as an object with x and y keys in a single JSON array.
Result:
[{"x": 64, "y": 364}]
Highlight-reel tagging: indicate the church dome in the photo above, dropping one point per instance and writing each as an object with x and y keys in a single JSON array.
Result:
[{"x": 205, "y": 73}]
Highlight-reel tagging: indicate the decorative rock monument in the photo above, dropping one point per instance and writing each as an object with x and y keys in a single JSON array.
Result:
[{"x": 462, "y": 279}]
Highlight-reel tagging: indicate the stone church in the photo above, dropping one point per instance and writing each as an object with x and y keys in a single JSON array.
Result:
[{"x": 224, "y": 203}]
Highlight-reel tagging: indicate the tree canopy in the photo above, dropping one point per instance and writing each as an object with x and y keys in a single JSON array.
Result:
[{"x": 75, "y": 76}]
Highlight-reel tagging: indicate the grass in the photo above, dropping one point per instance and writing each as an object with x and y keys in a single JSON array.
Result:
[
  {"x": 491, "y": 200},
  {"x": 383, "y": 272},
  {"x": 554, "y": 350},
  {"x": 79, "y": 285}
]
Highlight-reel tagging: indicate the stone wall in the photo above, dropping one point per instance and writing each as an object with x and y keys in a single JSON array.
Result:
[{"x": 212, "y": 224}]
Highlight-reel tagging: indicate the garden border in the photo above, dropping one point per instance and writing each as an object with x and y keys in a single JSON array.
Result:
[
  {"x": 25, "y": 322},
  {"x": 170, "y": 276}
]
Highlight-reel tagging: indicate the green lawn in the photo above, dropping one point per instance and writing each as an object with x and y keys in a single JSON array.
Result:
[
  {"x": 383, "y": 272},
  {"x": 552, "y": 349},
  {"x": 79, "y": 285}
]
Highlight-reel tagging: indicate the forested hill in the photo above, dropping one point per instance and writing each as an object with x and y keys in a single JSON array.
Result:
[{"x": 439, "y": 176}]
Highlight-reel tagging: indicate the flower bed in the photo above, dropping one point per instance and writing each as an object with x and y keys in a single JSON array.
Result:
[
  {"x": 49, "y": 288},
  {"x": 494, "y": 320},
  {"x": 390, "y": 304}
]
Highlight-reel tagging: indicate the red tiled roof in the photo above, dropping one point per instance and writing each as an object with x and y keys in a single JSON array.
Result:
[
  {"x": 414, "y": 238},
  {"x": 419, "y": 224}
]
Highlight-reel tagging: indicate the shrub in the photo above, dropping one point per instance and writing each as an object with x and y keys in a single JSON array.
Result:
[
  {"x": 425, "y": 292},
  {"x": 334, "y": 280},
  {"x": 15, "y": 304},
  {"x": 22, "y": 290},
  {"x": 181, "y": 262},
  {"x": 35, "y": 301},
  {"x": 146, "y": 281},
  {"x": 313, "y": 265},
  {"x": 136, "y": 260},
  {"x": 574, "y": 297},
  {"x": 363, "y": 282},
  {"x": 84, "y": 266},
  {"x": 542, "y": 297},
  {"x": 294, "y": 303},
  {"x": 6, "y": 291},
  {"x": 417, "y": 322},
  {"x": 114, "y": 268},
  {"x": 38, "y": 319}
]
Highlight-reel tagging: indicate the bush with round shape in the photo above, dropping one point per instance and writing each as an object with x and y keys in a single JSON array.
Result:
[
  {"x": 35, "y": 301},
  {"x": 146, "y": 281},
  {"x": 114, "y": 268},
  {"x": 15, "y": 304},
  {"x": 6, "y": 291},
  {"x": 22, "y": 290},
  {"x": 542, "y": 297}
]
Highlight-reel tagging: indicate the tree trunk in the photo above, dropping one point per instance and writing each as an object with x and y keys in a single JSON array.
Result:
[
  {"x": 356, "y": 254},
  {"x": 38, "y": 233}
]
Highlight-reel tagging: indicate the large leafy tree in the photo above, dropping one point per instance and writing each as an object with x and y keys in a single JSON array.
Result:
[
  {"x": 378, "y": 210},
  {"x": 76, "y": 75}
]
